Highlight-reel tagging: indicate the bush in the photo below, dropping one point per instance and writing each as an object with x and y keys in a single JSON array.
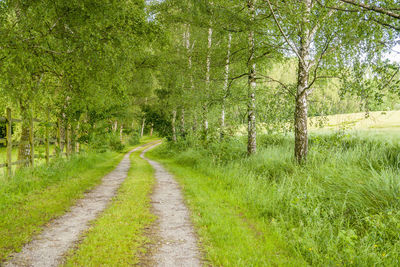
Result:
[
  {"x": 134, "y": 139},
  {"x": 114, "y": 142},
  {"x": 103, "y": 142}
]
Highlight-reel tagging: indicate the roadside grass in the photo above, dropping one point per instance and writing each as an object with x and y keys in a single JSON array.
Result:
[
  {"x": 34, "y": 196},
  {"x": 229, "y": 234},
  {"x": 341, "y": 208},
  {"x": 40, "y": 150},
  {"x": 118, "y": 238}
]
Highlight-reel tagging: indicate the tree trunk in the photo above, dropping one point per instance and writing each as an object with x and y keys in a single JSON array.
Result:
[
  {"x": 189, "y": 52},
  {"x": 301, "y": 110},
  {"x": 300, "y": 128},
  {"x": 73, "y": 138},
  {"x": 251, "y": 104},
  {"x": 142, "y": 129},
  {"x": 121, "y": 129},
  {"x": 226, "y": 83},
  {"x": 208, "y": 70},
  {"x": 24, "y": 148},
  {"x": 151, "y": 129},
  {"x": 62, "y": 132},
  {"x": 77, "y": 145},
  {"x": 173, "y": 126},
  {"x": 183, "y": 130}
]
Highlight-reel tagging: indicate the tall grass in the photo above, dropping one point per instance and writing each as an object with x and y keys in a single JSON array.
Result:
[{"x": 342, "y": 207}]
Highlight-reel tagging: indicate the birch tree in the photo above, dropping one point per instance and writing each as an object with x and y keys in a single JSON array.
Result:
[
  {"x": 318, "y": 37},
  {"x": 251, "y": 65},
  {"x": 226, "y": 83}
]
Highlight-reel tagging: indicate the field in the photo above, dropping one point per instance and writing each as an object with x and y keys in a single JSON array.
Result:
[{"x": 375, "y": 122}]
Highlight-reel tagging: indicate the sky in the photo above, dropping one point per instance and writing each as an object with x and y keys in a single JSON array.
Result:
[{"x": 395, "y": 54}]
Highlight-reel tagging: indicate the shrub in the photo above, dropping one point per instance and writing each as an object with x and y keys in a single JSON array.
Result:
[
  {"x": 102, "y": 142},
  {"x": 114, "y": 142},
  {"x": 134, "y": 139}
]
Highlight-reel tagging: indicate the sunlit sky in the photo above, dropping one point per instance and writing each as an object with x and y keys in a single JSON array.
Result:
[{"x": 395, "y": 55}]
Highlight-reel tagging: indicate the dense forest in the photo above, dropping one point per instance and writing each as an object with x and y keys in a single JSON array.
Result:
[{"x": 241, "y": 92}]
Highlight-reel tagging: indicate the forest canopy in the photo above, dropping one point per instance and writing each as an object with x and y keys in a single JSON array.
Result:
[{"x": 198, "y": 68}]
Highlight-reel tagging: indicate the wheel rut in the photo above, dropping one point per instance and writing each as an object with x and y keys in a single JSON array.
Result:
[
  {"x": 177, "y": 244},
  {"x": 49, "y": 247}
]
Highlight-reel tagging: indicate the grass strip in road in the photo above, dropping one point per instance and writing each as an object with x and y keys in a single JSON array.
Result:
[
  {"x": 118, "y": 238},
  {"x": 227, "y": 236}
]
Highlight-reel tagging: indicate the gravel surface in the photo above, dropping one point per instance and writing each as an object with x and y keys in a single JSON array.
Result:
[{"x": 177, "y": 244}]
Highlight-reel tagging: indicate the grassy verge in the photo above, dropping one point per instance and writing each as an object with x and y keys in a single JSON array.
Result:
[
  {"x": 117, "y": 238},
  {"x": 341, "y": 208},
  {"x": 33, "y": 197},
  {"x": 229, "y": 236}
]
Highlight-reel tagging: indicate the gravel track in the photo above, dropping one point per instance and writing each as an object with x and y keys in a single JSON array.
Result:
[
  {"x": 49, "y": 247},
  {"x": 177, "y": 244}
]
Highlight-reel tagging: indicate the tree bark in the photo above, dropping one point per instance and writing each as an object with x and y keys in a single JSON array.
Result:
[
  {"x": 300, "y": 126},
  {"x": 251, "y": 104},
  {"x": 183, "y": 130},
  {"x": 142, "y": 129},
  {"x": 62, "y": 132},
  {"x": 226, "y": 83},
  {"x": 24, "y": 148},
  {"x": 301, "y": 110},
  {"x": 208, "y": 70},
  {"x": 189, "y": 52},
  {"x": 173, "y": 126},
  {"x": 77, "y": 135}
]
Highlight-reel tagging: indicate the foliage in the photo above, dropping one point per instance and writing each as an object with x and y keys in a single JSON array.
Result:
[{"x": 133, "y": 139}]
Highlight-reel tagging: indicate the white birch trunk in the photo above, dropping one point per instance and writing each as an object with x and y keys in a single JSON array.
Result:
[
  {"x": 173, "y": 125},
  {"x": 183, "y": 121},
  {"x": 251, "y": 104},
  {"x": 208, "y": 74},
  {"x": 189, "y": 51},
  {"x": 142, "y": 129},
  {"x": 301, "y": 109},
  {"x": 226, "y": 83}
]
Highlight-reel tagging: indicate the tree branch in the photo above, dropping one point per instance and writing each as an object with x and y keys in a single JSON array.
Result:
[
  {"x": 373, "y": 8},
  {"x": 292, "y": 46}
]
